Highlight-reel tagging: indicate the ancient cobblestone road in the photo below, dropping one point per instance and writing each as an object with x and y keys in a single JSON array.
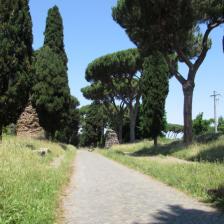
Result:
[{"x": 104, "y": 192}]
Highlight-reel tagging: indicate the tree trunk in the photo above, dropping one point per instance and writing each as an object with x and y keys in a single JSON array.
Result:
[
  {"x": 132, "y": 124},
  {"x": 155, "y": 139},
  {"x": 188, "y": 89},
  {"x": 132, "y": 130},
  {"x": 120, "y": 133},
  {"x": 102, "y": 136},
  {"x": 133, "y": 118},
  {"x": 1, "y": 127}
]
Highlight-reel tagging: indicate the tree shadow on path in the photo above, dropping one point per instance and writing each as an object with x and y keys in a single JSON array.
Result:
[
  {"x": 213, "y": 154},
  {"x": 165, "y": 150},
  {"x": 175, "y": 214}
]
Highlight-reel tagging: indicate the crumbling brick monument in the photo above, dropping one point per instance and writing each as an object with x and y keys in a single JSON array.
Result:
[
  {"x": 28, "y": 124},
  {"x": 111, "y": 139}
]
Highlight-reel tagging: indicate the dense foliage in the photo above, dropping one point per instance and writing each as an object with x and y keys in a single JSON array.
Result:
[
  {"x": 173, "y": 26},
  {"x": 50, "y": 94},
  {"x": 54, "y": 34},
  {"x": 154, "y": 87},
  {"x": 221, "y": 125},
  {"x": 113, "y": 108},
  {"x": 115, "y": 78},
  {"x": 68, "y": 132},
  {"x": 15, "y": 59},
  {"x": 200, "y": 125},
  {"x": 57, "y": 109},
  {"x": 93, "y": 122}
]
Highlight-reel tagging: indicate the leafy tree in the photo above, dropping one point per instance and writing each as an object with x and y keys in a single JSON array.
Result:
[
  {"x": 221, "y": 125},
  {"x": 115, "y": 110},
  {"x": 50, "y": 93},
  {"x": 93, "y": 122},
  {"x": 15, "y": 59},
  {"x": 173, "y": 26},
  {"x": 69, "y": 132},
  {"x": 200, "y": 125},
  {"x": 119, "y": 72},
  {"x": 142, "y": 131},
  {"x": 54, "y": 34},
  {"x": 155, "y": 82}
]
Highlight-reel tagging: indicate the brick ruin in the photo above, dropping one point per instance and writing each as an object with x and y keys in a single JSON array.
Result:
[
  {"x": 28, "y": 124},
  {"x": 111, "y": 139}
]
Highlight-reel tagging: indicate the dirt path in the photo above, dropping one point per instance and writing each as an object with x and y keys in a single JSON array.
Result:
[{"x": 104, "y": 192}]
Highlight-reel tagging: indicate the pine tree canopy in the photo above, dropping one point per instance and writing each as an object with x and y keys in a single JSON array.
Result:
[
  {"x": 119, "y": 64},
  {"x": 115, "y": 78},
  {"x": 160, "y": 25},
  {"x": 115, "y": 75},
  {"x": 173, "y": 27},
  {"x": 15, "y": 58},
  {"x": 96, "y": 91},
  {"x": 54, "y": 33}
]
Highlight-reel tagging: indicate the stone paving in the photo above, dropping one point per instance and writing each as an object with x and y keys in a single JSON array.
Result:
[{"x": 105, "y": 192}]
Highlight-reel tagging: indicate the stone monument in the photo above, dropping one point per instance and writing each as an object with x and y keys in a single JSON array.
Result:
[
  {"x": 111, "y": 139},
  {"x": 28, "y": 124}
]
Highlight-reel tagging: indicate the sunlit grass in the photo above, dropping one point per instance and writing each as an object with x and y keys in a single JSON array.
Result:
[{"x": 29, "y": 185}]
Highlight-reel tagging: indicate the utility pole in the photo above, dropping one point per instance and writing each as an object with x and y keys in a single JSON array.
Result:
[{"x": 215, "y": 96}]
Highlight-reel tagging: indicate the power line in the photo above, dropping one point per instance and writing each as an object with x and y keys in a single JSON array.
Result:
[{"x": 215, "y": 97}]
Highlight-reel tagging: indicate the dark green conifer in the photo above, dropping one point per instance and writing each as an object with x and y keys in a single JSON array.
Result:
[
  {"x": 15, "y": 58},
  {"x": 155, "y": 90},
  {"x": 50, "y": 93},
  {"x": 54, "y": 33}
]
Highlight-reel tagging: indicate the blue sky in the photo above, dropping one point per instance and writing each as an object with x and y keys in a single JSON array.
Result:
[{"x": 90, "y": 32}]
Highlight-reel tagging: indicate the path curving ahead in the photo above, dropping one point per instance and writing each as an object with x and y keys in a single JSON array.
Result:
[{"x": 104, "y": 192}]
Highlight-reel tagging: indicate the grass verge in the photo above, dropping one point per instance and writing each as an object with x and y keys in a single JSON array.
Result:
[
  {"x": 210, "y": 152},
  {"x": 29, "y": 185},
  {"x": 203, "y": 180}
]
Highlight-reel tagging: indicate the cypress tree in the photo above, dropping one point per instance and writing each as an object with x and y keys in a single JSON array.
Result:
[
  {"x": 50, "y": 93},
  {"x": 155, "y": 90},
  {"x": 15, "y": 58},
  {"x": 54, "y": 33}
]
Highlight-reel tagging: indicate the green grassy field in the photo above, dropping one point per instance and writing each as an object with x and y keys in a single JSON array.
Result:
[
  {"x": 30, "y": 185},
  {"x": 197, "y": 170}
]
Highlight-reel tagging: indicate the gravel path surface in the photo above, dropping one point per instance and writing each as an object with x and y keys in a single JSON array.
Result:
[{"x": 104, "y": 192}]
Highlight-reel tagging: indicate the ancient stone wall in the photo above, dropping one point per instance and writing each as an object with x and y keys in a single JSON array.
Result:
[{"x": 28, "y": 124}]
